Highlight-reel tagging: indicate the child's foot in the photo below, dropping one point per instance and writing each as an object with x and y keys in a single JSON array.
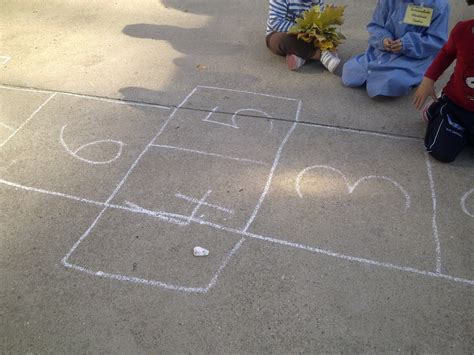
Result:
[
  {"x": 330, "y": 60},
  {"x": 426, "y": 115},
  {"x": 294, "y": 62}
]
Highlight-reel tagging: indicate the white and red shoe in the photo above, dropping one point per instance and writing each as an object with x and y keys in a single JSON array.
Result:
[{"x": 294, "y": 62}]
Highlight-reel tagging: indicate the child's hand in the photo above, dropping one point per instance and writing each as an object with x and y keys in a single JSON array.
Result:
[
  {"x": 397, "y": 46},
  {"x": 387, "y": 44},
  {"x": 425, "y": 89}
]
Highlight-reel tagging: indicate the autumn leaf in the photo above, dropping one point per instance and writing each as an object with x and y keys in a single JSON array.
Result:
[{"x": 320, "y": 26}]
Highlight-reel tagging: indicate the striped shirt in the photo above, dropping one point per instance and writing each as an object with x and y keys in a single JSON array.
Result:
[{"x": 282, "y": 14}]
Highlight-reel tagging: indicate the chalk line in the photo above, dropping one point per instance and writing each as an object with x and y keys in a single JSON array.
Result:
[
  {"x": 194, "y": 200},
  {"x": 434, "y": 221},
  {"x": 233, "y": 123},
  {"x": 224, "y": 264},
  {"x": 272, "y": 171},
  {"x": 351, "y": 187},
  {"x": 172, "y": 218},
  {"x": 161, "y": 215},
  {"x": 137, "y": 280},
  {"x": 463, "y": 203},
  {"x": 4, "y": 59},
  {"x": 94, "y": 162},
  {"x": 198, "y": 206},
  {"x": 208, "y": 119},
  {"x": 27, "y": 120},
  {"x": 252, "y": 110},
  {"x": 247, "y": 92},
  {"x": 53, "y": 193},
  {"x": 7, "y": 126},
  {"x": 209, "y": 154}
]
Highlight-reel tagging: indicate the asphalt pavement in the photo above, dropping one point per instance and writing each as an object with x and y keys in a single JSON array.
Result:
[{"x": 132, "y": 132}]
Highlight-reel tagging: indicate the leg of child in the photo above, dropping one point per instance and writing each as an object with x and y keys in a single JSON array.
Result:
[
  {"x": 296, "y": 51},
  {"x": 445, "y": 137},
  {"x": 283, "y": 44}
]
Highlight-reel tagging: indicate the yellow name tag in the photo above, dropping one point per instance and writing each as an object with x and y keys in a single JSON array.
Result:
[{"x": 418, "y": 16}]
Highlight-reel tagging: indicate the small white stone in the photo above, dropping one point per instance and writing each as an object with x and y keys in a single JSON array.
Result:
[{"x": 198, "y": 251}]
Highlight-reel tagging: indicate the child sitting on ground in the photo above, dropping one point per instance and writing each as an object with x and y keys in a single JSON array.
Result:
[
  {"x": 451, "y": 117},
  {"x": 404, "y": 37},
  {"x": 282, "y": 16}
]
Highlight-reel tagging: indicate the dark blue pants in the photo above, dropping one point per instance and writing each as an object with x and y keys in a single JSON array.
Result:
[{"x": 450, "y": 129}]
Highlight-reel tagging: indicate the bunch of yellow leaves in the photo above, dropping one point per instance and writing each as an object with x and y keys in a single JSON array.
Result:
[{"x": 320, "y": 27}]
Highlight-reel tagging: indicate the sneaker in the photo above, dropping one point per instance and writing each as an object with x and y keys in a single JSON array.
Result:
[
  {"x": 294, "y": 62},
  {"x": 426, "y": 115},
  {"x": 330, "y": 60}
]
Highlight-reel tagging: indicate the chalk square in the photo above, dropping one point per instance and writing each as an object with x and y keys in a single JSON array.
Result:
[
  {"x": 218, "y": 190},
  {"x": 15, "y": 108},
  {"x": 139, "y": 248},
  {"x": 232, "y": 123},
  {"x": 80, "y": 146},
  {"x": 455, "y": 214},
  {"x": 358, "y": 198}
]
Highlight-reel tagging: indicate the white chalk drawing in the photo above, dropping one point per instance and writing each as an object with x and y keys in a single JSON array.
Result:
[
  {"x": 203, "y": 203},
  {"x": 351, "y": 187},
  {"x": 434, "y": 222},
  {"x": 4, "y": 59},
  {"x": 244, "y": 234},
  {"x": 463, "y": 203},
  {"x": 169, "y": 217},
  {"x": 94, "y": 162},
  {"x": 209, "y": 154},
  {"x": 14, "y": 132},
  {"x": 11, "y": 129},
  {"x": 233, "y": 123}
]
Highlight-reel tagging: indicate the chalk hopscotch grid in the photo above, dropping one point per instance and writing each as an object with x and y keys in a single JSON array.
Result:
[
  {"x": 168, "y": 217},
  {"x": 188, "y": 218}
]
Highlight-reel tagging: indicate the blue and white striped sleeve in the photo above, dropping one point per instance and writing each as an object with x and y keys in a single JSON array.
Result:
[{"x": 277, "y": 17}]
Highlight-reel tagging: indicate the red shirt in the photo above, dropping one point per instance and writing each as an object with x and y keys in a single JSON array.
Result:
[{"x": 460, "y": 46}]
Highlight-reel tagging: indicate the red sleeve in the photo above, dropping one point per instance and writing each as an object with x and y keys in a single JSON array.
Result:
[{"x": 445, "y": 57}]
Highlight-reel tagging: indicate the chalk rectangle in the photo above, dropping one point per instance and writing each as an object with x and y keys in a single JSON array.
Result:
[
  {"x": 139, "y": 248},
  {"x": 455, "y": 204},
  {"x": 79, "y": 146},
  {"x": 350, "y": 193},
  {"x": 231, "y": 123}
]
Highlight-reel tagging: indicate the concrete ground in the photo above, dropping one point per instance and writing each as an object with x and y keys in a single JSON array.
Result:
[{"x": 133, "y": 131}]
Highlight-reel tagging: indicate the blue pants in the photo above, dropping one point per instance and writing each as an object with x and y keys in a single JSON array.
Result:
[{"x": 450, "y": 129}]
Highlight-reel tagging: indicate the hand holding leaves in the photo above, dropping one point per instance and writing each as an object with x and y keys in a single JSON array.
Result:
[{"x": 320, "y": 27}]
